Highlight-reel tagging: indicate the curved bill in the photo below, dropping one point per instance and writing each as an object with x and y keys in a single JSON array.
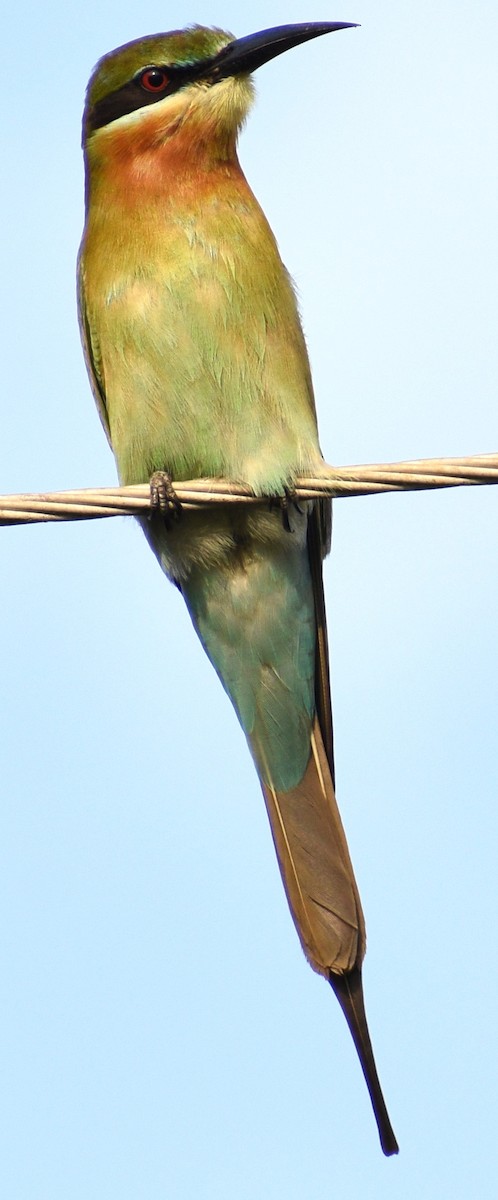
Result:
[{"x": 249, "y": 53}]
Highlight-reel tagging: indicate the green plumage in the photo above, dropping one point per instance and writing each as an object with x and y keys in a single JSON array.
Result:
[
  {"x": 254, "y": 614},
  {"x": 196, "y": 339}
]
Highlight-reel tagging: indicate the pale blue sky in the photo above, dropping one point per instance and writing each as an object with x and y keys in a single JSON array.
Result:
[{"x": 161, "y": 1034}]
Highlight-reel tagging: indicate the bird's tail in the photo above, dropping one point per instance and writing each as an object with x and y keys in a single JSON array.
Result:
[
  {"x": 349, "y": 991},
  {"x": 315, "y": 865},
  {"x": 259, "y": 611},
  {"x": 323, "y": 897}
]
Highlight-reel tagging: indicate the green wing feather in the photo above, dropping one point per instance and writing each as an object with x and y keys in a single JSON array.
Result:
[{"x": 92, "y": 355}]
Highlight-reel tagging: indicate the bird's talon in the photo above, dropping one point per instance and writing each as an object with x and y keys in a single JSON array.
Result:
[
  {"x": 284, "y": 503},
  {"x": 164, "y": 501}
]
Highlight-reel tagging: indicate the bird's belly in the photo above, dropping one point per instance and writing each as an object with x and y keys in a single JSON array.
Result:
[{"x": 200, "y": 382}]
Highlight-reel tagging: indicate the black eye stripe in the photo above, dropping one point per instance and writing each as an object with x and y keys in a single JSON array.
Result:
[{"x": 134, "y": 95}]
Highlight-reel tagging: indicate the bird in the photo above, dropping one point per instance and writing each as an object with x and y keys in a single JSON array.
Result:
[{"x": 199, "y": 368}]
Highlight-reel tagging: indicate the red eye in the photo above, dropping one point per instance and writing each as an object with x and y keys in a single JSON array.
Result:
[{"x": 154, "y": 80}]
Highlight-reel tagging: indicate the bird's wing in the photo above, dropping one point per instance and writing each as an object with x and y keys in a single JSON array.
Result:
[
  {"x": 319, "y": 533},
  {"x": 91, "y": 351}
]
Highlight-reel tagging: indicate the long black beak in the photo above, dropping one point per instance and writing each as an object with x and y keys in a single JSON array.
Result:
[{"x": 249, "y": 53}]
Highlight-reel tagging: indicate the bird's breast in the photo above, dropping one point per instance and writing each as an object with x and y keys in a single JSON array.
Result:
[{"x": 195, "y": 325}]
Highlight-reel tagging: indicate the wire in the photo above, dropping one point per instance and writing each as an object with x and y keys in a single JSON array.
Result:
[{"x": 90, "y": 503}]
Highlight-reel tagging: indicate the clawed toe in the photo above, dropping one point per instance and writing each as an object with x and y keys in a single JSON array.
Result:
[
  {"x": 284, "y": 503},
  {"x": 164, "y": 501}
]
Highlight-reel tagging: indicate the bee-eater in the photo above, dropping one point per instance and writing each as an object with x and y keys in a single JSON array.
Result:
[{"x": 199, "y": 367}]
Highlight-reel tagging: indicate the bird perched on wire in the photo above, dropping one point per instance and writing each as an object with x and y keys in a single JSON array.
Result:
[{"x": 199, "y": 367}]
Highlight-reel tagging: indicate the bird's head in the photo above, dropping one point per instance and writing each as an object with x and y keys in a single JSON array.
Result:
[{"x": 192, "y": 85}]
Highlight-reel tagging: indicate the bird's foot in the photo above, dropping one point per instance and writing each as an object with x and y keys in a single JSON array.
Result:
[
  {"x": 285, "y": 502},
  {"x": 164, "y": 501}
]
